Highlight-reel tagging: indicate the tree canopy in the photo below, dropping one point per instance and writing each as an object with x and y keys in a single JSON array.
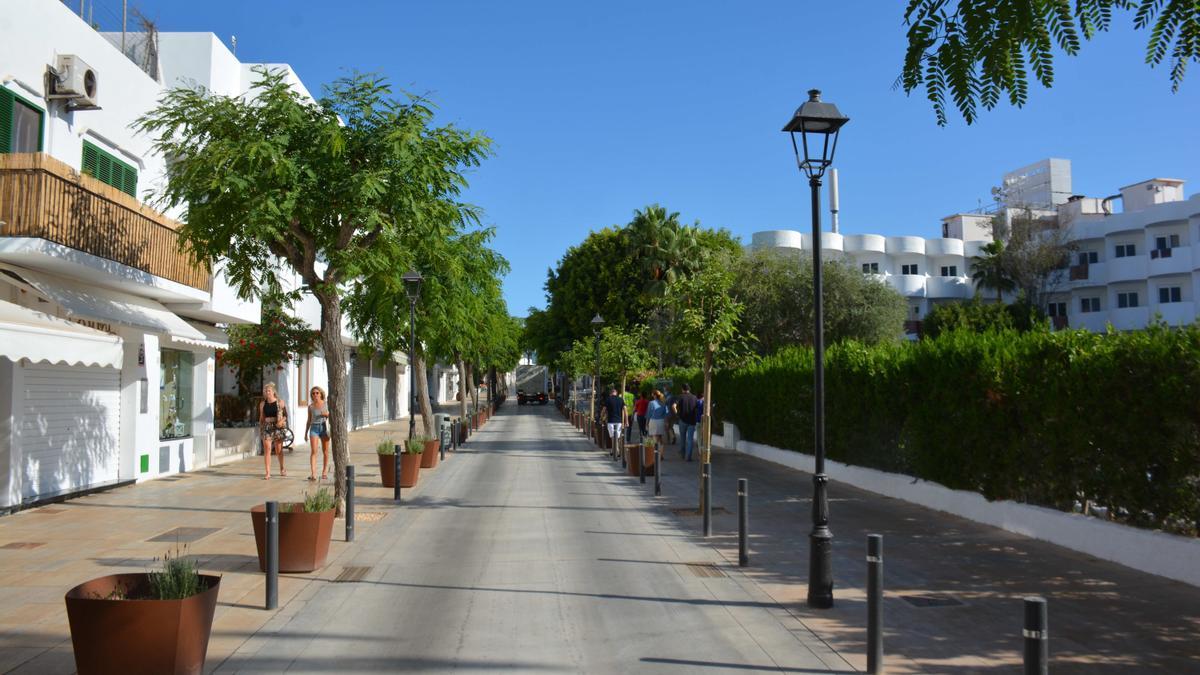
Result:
[{"x": 971, "y": 53}]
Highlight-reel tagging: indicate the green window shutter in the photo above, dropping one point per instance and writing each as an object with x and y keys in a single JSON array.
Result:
[
  {"x": 91, "y": 158},
  {"x": 109, "y": 170},
  {"x": 6, "y": 118}
]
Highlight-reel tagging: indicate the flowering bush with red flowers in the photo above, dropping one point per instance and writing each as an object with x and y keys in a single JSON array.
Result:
[{"x": 277, "y": 339}]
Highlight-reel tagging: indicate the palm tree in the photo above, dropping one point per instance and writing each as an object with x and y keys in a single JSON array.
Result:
[
  {"x": 665, "y": 248},
  {"x": 988, "y": 270}
]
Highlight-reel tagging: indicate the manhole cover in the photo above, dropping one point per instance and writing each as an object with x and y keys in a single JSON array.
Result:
[
  {"x": 705, "y": 570},
  {"x": 24, "y": 544},
  {"x": 351, "y": 574},
  {"x": 185, "y": 535},
  {"x": 696, "y": 512},
  {"x": 369, "y": 517},
  {"x": 923, "y": 601}
]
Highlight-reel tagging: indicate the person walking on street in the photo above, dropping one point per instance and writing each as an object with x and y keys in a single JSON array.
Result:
[
  {"x": 639, "y": 413},
  {"x": 656, "y": 417},
  {"x": 614, "y": 408},
  {"x": 628, "y": 398},
  {"x": 672, "y": 418},
  {"x": 317, "y": 432},
  {"x": 685, "y": 407},
  {"x": 272, "y": 419}
]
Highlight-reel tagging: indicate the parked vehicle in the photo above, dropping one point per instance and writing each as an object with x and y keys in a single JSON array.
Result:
[{"x": 522, "y": 397}]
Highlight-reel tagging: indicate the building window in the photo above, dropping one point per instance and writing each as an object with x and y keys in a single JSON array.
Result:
[
  {"x": 175, "y": 394},
  {"x": 1088, "y": 257},
  {"x": 1126, "y": 250},
  {"x": 909, "y": 269},
  {"x": 1168, "y": 294},
  {"x": 870, "y": 268},
  {"x": 1127, "y": 299},
  {"x": 1164, "y": 243},
  {"x": 1087, "y": 305},
  {"x": 949, "y": 270},
  {"x": 109, "y": 170},
  {"x": 20, "y": 124}
]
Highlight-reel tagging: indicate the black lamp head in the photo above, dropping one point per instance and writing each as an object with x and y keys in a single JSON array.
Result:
[
  {"x": 412, "y": 284},
  {"x": 818, "y": 124}
]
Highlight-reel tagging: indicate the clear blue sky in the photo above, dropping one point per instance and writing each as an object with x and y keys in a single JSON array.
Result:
[{"x": 601, "y": 108}]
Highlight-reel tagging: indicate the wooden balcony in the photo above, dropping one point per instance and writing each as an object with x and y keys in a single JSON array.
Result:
[{"x": 41, "y": 197}]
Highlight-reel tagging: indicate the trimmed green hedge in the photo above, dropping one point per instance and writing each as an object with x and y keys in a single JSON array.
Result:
[{"x": 1054, "y": 419}]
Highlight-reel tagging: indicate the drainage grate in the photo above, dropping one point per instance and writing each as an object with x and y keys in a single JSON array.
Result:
[
  {"x": 351, "y": 574},
  {"x": 369, "y": 517},
  {"x": 24, "y": 544},
  {"x": 705, "y": 570},
  {"x": 924, "y": 601},
  {"x": 696, "y": 512},
  {"x": 185, "y": 535}
]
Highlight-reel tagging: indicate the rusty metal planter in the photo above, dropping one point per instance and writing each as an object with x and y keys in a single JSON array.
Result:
[
  {"x": 430, "y": 456},
  {"x": 139, "y": 636},
  {"x": 303, "y": 537}
]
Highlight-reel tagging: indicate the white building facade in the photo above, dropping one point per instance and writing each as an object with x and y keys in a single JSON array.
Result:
[{"x": 1127, "y": 268}]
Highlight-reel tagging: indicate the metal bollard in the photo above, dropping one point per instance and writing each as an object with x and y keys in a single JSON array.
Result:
[
  {"x": 442, "y": 443},
  {"x": 619, "y": 442},
  {"x": 272, "y": 523},
  {"x": 396, "y": 467},
  {"x": 874, "y": 603},
  {"x": 1037, "y": 637},
  {"x": 641, "y": 450},
  {"x": 350, "y": 502},
  {"x": 743, "y": 493},
  {"x": 657, "y": 470},
  {"x": 706, "y": 478}
]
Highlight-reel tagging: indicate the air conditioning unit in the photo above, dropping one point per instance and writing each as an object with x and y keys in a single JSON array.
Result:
[{"x": 74, "y": 81}]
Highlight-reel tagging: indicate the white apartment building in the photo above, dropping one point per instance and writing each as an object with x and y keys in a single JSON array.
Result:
[
  {"x": 1129, "y": 265},
  {"x": 107, "y": 333}
]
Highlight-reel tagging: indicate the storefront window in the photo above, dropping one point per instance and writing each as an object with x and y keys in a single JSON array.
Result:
[{"x": 175, "y": 394}]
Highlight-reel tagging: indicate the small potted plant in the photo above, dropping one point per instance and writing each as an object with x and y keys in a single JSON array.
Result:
[
  {"x": 410, "y": 462},
  {"x": 304, "y": 531},
  {"x": 387, "y": 462},
  {"x": 145, "y": 622},
  {"x": 429, "y": 452}
]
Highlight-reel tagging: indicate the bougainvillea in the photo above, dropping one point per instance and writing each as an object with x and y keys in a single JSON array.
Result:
[{"x": 277, "y": 339}]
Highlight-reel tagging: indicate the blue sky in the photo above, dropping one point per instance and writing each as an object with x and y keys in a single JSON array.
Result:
[{"x": 598, "y": 109}]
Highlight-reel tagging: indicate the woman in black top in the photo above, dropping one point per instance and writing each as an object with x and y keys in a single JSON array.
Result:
[{"x": 272, "y": 415}]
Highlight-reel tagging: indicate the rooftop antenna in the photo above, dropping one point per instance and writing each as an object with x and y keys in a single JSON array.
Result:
[
  {"x": 833, "y": 199},
  {"x": 233, "y": 42}
]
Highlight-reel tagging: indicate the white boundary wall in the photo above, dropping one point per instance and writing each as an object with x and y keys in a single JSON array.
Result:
[{"x": 1166, "y": 555}]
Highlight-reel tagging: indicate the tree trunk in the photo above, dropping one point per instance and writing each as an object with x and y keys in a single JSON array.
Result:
[
  {"x": 423, "y": 393},
  {"x": 335, "y": 368},
  {"x": 492, "y": 389},
  {"x": 462, "y": 386},
  {"x": 706, "y": 422},
  {"x": 474, "y": 391}
]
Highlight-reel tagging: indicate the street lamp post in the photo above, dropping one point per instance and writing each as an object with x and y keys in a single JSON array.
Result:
[
  {"x": 597, "y": 324},
  {"x": 412, "y": 286},
  {"x": 818, "y": 124}
]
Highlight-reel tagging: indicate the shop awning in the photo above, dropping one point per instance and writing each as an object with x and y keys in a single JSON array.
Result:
[
  {"x": 214, "y": 338},
  {"x": 33, "y": 335},
  {"x": 102, "y": 304}
]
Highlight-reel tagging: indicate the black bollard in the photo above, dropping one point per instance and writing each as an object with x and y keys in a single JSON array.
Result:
[
  {"x": 1037, "y": 637},
  {"x": 743, "y": 493},
  {"x": 874, "y": 603},
  {"x": 396, "y": 487},
  {"x": 442, "y": 443},
  {"x": 350, "y": 502},
  {"x": 272, "y": 523},
  {"x": 619, "y": 442},
  {"x": 657, "y": 470},
  {"x": 641, "y": 463},
  {"x": 706, "y": 479}
]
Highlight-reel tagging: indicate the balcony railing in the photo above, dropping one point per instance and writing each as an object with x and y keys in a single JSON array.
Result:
[
  {"x": 43, "y": 198},
  {"x": 1157, "y": 253}
]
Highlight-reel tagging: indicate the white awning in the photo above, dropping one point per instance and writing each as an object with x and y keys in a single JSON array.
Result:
[
  {"x": 29, "y": 334},
  {"x": 102, "y": 304},
  {"x": 214, "y": 338}
]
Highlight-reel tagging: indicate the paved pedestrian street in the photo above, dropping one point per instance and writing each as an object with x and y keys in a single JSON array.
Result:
[{"x": 529, "y": 550}]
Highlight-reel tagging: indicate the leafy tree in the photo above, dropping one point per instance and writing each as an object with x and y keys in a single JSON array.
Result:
[
  {"x": 1036, "y": 252},
  {"x": 776, "y": 289},
  {"x": 989, "y": 270},
  {"x": 979, "y": 317},
  {"x": 976, "y": 51},
  {"x": 623, "y": 351},
  {"x": 333, "y": 189},
  {"x": 706, "y": 321}
]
